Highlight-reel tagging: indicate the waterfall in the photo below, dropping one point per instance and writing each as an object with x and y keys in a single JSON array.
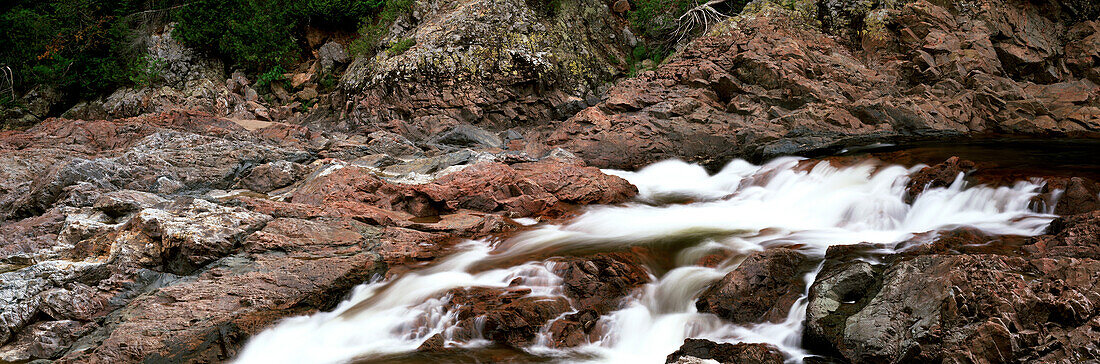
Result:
[{"x": 741, "y": 209}]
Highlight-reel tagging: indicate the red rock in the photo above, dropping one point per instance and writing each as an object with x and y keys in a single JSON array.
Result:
[
  {"x": 600, "y": 281},
  {"x": 207, "y": 318},
  {"x": 762, "y": 289},
  {"x": 741, "y": 353},
  {"x": 1079, "y": 196},
  {"x": 940, "y": 175},
  {"x": 508, "y": 316}
]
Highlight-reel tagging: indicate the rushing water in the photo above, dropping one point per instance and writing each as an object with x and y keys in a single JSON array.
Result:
[{"x": 682, "y": 209}]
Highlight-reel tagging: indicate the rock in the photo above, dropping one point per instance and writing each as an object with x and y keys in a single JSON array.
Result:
[
  {"x": 77, "y": 301},
  {"x": 621, "y": 6},
  {"x": 22, "y": 293},
  {"x": 330, "y": 55},
  {"x": 528, "y": 59},
  {"x": 272, "y": 176},
  {"x": 932, "y": 307},
  {"x": 746, "y": 90},
  {"x": 125, "y": 202},
  {"x": 1070, "y": 236},
  {"x": 176, "y": 64},
  {"x": 385, "y": 142},
  {"x": 938, "y": 176},
  {"x": 435, "y": 165},
  {"x": 41, "y": 100},
  {"x": 237, "y": 297},
  {"x": 468, "y": 136},
  {"x": 307, "y": 94},
  {"x": 741, "y": 353},
  {"x": 1079, "y": 196},
  {"x": 574, "y": 329},
  {"x": 185, "y": 236},
  {"x": 44, "y": 340},
  {"x": 508, "y": 316},
  {"x": 598, "y": 282},
  {"x": 762, "y": 289}
]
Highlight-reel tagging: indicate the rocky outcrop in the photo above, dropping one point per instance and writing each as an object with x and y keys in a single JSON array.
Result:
[
  {"x": 175, "y": 237},
  {"x": 762, "y": 289},
  {"x": 946, "y": 303},
  {"x": 496, "y": 64},
  {"x": 770, "y": 83},
  {"x": 695, "y": 350}
]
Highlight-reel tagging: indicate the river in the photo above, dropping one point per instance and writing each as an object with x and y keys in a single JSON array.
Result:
[{"x": 682, "y": 211}]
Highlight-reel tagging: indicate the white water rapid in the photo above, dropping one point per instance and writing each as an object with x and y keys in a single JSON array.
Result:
[{"x": 743, "y": 208}]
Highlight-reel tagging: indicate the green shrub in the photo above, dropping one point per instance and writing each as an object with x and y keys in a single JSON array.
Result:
[
  {"x": 401, "y": 46},
  {"x": 266, "y": 79},
  {"x": 80, "y": 47},
  {"x": 372, "y": 30},
  {"x": 260, "y": 34}
]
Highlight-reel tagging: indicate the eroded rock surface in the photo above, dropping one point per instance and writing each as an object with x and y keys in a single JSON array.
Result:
[{"x": 770, "y": 83}]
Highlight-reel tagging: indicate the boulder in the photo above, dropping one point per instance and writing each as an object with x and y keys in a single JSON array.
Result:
[
  {"x": 508, "y": 316},
  {"x": 940, "y": 175},
  {"x": 762, "y": 289}
]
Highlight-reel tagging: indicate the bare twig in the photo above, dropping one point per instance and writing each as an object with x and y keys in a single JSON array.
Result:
[
  {"x": 157, "y": 10},
  {"x": 11, "y": 80}
]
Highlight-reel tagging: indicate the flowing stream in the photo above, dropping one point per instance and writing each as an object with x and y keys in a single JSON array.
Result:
[{"x": 683, "y": 210}]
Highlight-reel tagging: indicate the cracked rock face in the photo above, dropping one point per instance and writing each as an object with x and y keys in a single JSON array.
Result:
[
  {"x": 491, "y": 63},
  {"x": 770, "y": 83}
]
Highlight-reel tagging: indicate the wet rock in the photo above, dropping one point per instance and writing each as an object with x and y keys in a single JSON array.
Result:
[
  {"x": 272, "y": 176},
  {"x": 726, "y": 353},
  {"x": 600, "y": 281},
  {"x": 574, "y": 329},
  {"x": 207, "y": 317},
  {"x": 509, "y": 316},
  {"x": 762, "y": 289},
  {"x": 937, "y": 176},
  {"x": 956, "y": 307},
  {"x": 1079, "y": 196},
  {"x": 1071, "y": 236}
]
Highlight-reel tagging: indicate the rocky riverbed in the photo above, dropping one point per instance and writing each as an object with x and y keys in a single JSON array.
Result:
[{"x": 448, "y": 203}]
